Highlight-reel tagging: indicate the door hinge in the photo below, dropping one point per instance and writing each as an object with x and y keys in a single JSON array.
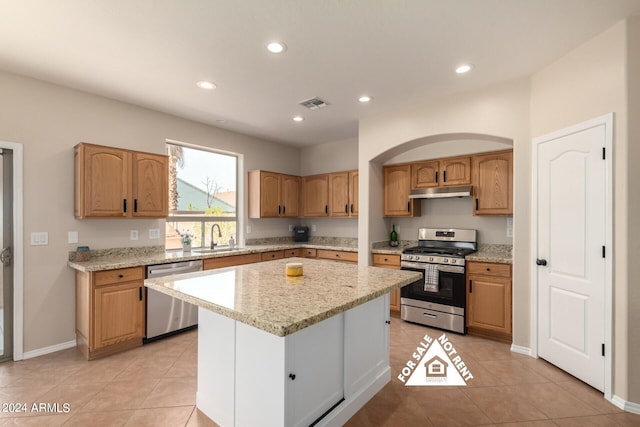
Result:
[
  {"x": 603, "y": 252},
  {"x": 603, "y": 349},
  {"x": 604, "y": 153}
]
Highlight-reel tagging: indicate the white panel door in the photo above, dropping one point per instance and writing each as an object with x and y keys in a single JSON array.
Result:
[{"x": 571, "y": 231}]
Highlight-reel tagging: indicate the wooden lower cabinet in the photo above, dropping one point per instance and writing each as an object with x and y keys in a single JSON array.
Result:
[
  {"x": 389, "y": 261},
  {"x": 228, "y": 261},
  {"x": 309, "y": 252},
  {"x": 489, "y": 300},
  {"x": 109, "y": 311},
  {"x": 344, "y": 256}
]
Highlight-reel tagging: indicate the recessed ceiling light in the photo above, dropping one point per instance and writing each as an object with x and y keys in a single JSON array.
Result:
[
  {"x": 364, "y": 99},
  {"x": 276, "y": 47},
  {"x": 298, "y": 118},
  {"x": 203, "y": 84},
  {"x": 465, "y": 68}
]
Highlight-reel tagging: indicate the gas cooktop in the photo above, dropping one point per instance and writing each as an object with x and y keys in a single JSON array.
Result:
[{"x": 425, "y": 250}]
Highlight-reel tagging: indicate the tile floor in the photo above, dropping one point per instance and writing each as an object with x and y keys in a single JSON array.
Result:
[{"x": 155, "y": 385}]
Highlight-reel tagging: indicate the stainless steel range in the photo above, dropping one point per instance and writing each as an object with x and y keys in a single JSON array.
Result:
[{"x": 439, "y": 298}]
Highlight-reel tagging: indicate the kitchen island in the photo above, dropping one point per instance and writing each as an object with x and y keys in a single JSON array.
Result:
[{"x": 289, "y": 351}]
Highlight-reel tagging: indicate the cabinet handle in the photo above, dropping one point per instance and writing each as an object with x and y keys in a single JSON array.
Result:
[
  {"x": 135, "y": 205},
  {"x": 326, "y": 209},
  {"x": 436, "y": 177},
  {"x": 351, "y": 207},
  {"x": 120, "y": 276},
  {"x": 470, "y": 286},
  {"x": 388, "y": 322},
  {"x": 444, "y": 176},
  {"x": 284, "y": 208},
  {"x": 476, "y": 203},
  {"x": 279, "y": 210},
  {"x": 124, "y": 205},
  {"x": 140, "y": 293},
  {"x": 488, "y": 269},
  {"x": 338, "y": 255},
  {"x": 346, "y": 208},
  {"x": 292, "y": 376},
  {"x": 408, "y": 206}
]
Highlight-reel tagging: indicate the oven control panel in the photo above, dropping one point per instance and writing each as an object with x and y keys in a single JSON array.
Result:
[{"x": 433, "y": 259}]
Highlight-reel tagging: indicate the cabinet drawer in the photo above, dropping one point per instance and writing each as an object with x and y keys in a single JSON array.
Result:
[
  {"x": 110, "y": 277},
  {"x": 228, "y": 261},
  {"x": 309, "y": 253},
  {"x": 488, "y": 268},
  {"x": 382, "y": 260},
  {"x": 337, "y": 255},
  {"x": 268, "y": 256},
  {"x": 292, "y": 252}
]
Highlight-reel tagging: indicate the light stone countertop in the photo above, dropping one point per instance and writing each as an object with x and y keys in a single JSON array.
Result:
[
  {"x": 136, "y": 257},
  {"x": 501, "y": 254},
  {"x": 261, "y": 295}
]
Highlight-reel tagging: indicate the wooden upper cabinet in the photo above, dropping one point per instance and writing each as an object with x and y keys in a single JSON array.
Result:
[
  {"x": 441, "y": 172},
  {"x": 493, "y": 183},
  {"x": 315, "y": 195},
  {"x": 150, "y": 185},
  {"x": 339, "y": 194},
  {"x": 397, "y": 185},
  {"x": 353, "y": 193},
  {"x": 273, "y": 195},
  {"x": 117, "y": 183}
]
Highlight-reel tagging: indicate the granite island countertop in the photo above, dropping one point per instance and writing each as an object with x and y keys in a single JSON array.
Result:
[{"x": 261, "y": 295}]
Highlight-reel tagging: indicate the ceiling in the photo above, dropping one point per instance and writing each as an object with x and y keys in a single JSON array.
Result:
[{"x": 152, "y": 52}]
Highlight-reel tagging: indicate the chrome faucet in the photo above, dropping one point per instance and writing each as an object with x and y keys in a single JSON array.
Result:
[{"x": 213, "y": 243}]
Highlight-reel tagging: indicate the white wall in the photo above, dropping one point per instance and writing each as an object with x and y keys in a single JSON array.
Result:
[{"x": 49, "y": 120}]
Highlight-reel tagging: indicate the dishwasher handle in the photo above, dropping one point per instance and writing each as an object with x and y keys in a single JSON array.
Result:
[{"x": 171, "y": 269}]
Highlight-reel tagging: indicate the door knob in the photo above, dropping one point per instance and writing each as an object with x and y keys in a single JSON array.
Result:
[{"x": 542, "y": 262}]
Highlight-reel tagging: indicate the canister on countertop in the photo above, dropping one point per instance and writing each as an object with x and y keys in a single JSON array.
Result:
[{"x": 293, "y": 269}]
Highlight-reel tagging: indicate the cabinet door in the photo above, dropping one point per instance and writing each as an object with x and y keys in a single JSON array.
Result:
[
  {"x": 339, "y": 194},
  {"x": 269, "y": 195},
  {"x": 315, "y": 196},
  {"x": 150, "y": 184},
  {"x": 105, "y": 186},
  {"x": 353, "y": 193},
  {"x": 119, "y": 313},
  {"x": 389, "y": 261},
  {"x": 424, "y": 174},
  {"x": 397, "y": 183},
  {"x": 493, "y": 184},
  {"x": 489, "y": 304},
  {"x": 289, "y": 195},
  {"x": 456, "y": 171}
]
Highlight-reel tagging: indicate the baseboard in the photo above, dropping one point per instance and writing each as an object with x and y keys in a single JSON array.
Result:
[
  {"x": 521, "y": 350},
  {"x": 46, "y": 350},
  {"x": 626, "y": 406}
]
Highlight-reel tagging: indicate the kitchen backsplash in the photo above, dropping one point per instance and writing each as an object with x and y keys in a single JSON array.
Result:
[
  {"x": 318, "y": 240},
  {"x": 140, "y": 251}
]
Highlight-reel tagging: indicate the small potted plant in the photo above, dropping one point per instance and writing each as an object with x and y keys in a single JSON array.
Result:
[{"x": 187, "y": 237}]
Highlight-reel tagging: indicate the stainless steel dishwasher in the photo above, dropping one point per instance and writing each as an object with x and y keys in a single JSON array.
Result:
[{"x": 167, "y": 315}]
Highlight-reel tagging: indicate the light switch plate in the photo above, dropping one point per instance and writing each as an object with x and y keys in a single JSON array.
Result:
[
  {"x": 154, "y": 233},
  {"x": 510, "y": 227},
  {"x": 134, "y": 235},
  {"x": 39, "y": 238},
  {"x": 72, "y": 237}
]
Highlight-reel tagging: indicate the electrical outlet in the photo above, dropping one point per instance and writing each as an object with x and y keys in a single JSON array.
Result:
[
  {"x": 248, "y": 229},
  {"x": 313, "y": 227},
  {"x": 133, "y": 235},
  {"x": 154, "y": 233},
  {"x": 39, "y": 238},
  {"x": 290, "y": 227},
  {"x": 510, "y": 227},
  {"x": 72, "y": 237}
]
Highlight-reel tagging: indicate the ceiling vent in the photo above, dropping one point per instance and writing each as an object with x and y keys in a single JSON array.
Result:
[{"x": 314, "y": 103}]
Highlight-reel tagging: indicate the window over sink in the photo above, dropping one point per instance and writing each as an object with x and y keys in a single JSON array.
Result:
[{"x": 202, "y": 192}]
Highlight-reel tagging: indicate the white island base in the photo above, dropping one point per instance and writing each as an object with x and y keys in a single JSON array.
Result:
[{"x": 320, "y": 375}]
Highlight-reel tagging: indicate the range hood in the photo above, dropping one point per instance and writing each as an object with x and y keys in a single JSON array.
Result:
[{"x": 441, "y": 192}]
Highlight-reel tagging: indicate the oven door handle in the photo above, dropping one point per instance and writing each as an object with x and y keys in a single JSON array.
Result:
[{"x": 415, "y": 265}]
